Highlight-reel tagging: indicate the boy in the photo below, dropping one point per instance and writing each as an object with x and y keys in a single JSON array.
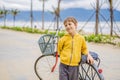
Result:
[{"x": 70, "y": 48}]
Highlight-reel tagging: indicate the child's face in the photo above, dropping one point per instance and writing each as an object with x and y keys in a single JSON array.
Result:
[{"x": 70, "y": 27}]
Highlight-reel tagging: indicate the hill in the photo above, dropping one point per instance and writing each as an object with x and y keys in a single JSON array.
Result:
[{"x": 79, "y": 13}]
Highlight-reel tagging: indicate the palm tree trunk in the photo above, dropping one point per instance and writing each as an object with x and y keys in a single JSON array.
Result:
[
  {"x": 43, "y": 16},
  {"x": 13, "y": 20},
  {"x": 31, "y": 17},
  {"x": 58, "y": 13},
  {"x": 57, "y": 22},
  {"x": 5, "y": 20},
  {"x": 111, "y": 17},
  {"x": 97, "y": 17}
]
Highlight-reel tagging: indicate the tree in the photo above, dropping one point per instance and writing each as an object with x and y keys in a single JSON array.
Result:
[
  {"x": 43, "y": 6},
  {"x": 5, "y": 12},
  {"x": 57, "y": 12},
  {"x": 97, "y": 17},
  {"x": 111, "y": 17},
  {"x": 1, "y": 13},
  {"x": 31, "y": 15},
  {"x": 14, "y": 13}
]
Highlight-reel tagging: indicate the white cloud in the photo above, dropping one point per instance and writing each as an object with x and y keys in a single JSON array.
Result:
[
  {"x": 37, "y": 4},
  {"x": 16, "y": 4}
]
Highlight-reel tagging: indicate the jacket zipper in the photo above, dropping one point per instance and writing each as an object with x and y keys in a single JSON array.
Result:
[{"x": 71, "y": 52}]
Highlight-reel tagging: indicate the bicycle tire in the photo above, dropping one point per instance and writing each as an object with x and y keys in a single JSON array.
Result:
[
  {"x": 43, "y": 66},
  {"x": 89, "y": 72}
]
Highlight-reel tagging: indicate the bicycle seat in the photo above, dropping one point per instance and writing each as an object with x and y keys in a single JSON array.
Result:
[{"x": 93, "y": 54}]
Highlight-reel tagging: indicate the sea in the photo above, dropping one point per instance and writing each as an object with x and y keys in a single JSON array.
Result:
[{"x": 103, "y": 27}]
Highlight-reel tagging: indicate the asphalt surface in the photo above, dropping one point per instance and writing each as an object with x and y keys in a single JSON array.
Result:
[{"x": 19, "y": 50}]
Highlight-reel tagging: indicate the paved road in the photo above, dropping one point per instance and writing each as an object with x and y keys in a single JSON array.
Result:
[
  {"x": 19, "y": 50},
  {"x": 110, "y": 60}
]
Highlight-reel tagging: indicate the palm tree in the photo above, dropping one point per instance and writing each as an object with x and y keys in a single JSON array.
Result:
[
  {"x": 58, "y": 13},
  {"x": 14, "y": 13},
  {"x": 5, "y": 12},
  {"x": 43, "y": 6},
  {"x": 97, "y": 17},
  {"x": 31, "y": 16},
  {"x": 111, "y": 16},
  {"x": 1, "y": 14}
]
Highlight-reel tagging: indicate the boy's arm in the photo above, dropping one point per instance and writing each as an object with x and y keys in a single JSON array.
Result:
[
  {"x": 84, "y": 49},
  {"x": 85, "y": 52},
  {"x": 59, "y": 47}
]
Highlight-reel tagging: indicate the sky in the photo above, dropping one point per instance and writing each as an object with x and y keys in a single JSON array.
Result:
[{"x": 49, "y": 4}]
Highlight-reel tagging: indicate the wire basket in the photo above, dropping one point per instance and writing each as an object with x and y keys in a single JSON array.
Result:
[{"x": 47, "y": 44}]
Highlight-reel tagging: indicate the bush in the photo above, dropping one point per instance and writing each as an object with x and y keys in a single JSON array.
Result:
[
  {"x": 62, "y": 33},
  {"x": 99, "y": 38},
  {"x": 17, "y": 28},
  {"x": 118, "y": 44}
]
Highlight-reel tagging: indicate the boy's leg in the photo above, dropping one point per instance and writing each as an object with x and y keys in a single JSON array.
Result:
[
  {"x": 63, "y": 72},
  {"x": 73, "y": 72}
]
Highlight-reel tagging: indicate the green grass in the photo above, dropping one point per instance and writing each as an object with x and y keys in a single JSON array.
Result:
[
  {"x": 100, "y": 39},
  {"x": 35, "y": 30},
  {"x": 26, "y": 29},
  {"x": 90, "y": 38}
]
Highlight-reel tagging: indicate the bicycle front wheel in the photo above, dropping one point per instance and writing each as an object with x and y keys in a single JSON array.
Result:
[{"x": 43, "y": 67}]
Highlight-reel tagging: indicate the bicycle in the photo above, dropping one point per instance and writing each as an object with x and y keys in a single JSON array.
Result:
[{"x": 46, "y": 67}]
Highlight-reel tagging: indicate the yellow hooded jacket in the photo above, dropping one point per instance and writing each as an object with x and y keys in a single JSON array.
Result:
[{"x": 70, "y": 49}]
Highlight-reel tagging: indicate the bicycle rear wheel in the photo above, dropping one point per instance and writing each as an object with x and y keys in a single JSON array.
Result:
[
  {"x": 89, "y": 72},
  {"x": 43, "y": 67}
]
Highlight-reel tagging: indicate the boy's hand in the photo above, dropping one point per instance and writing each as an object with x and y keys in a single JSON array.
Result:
[{"x": 90, "y": 59}]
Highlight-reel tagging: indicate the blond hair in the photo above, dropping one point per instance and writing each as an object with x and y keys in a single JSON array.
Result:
[{"x": 70, "y": 19}]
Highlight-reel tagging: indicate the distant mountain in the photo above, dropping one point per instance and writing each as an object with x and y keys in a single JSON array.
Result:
[
  {"x": 79, "y": 13},
  {"x": 84, "y": 14}
]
